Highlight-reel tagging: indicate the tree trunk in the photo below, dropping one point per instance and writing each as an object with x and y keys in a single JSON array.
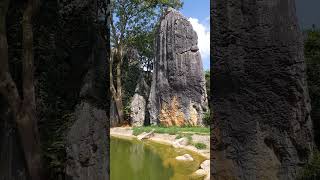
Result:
[
  {"x": 23, "y": 109},
  {"x": 116, "y": 91},
  {"x": 118, "y": 100},
  {"x": 119, "y": 105}
]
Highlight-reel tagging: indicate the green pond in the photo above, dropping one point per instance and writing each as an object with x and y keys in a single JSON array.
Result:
[{"x": 146, "y": 160}]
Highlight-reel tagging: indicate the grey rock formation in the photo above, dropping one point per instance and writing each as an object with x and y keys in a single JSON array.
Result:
[
  {"x": 146, "y": 135},
  {"x": 262, "y": 127},
  {"x": 178, "y": 73},
  {"x": 87, "y": 145},
  {"x": 68, "y": 51},
  {"x": 139, "y": 103}
]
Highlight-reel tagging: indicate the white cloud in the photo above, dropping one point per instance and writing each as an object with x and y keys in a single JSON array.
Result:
[{"x": 203, "y": 32}]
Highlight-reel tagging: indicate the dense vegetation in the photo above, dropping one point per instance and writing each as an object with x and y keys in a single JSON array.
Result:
[{"x": 312, "y": 56}]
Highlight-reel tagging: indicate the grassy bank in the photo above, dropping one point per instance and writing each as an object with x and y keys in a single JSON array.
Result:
[{"x": 171, "y": 130}]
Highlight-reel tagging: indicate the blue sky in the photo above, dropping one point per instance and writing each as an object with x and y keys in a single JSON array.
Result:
[
  {"x": 198, "y": 13},
  {"x": 308, "y": 13}
]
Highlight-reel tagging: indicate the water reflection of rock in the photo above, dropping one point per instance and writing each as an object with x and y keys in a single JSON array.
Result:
[
  {"x": 136, "y": 160},
  {"x": 137, "y": 155}
]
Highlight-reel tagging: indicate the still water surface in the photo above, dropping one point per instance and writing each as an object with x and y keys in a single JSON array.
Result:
[{"x": 136, "y": 160}]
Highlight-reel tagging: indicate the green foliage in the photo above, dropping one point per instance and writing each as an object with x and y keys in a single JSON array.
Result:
[
  {"x": 189, "y": 137},
  {"x": 129, "y": 79},
  {"x": 179, "y": 136},
  {"x": 200, "y": 145},
  {"x": 312, "y": 170},
  {"x": 171, "y": 130},
  {"x": 136, "y": 17},
  {"x": 312, "y": 57},
  {"x": 207, "y": 77},
  {"x": 207, "y": 115},
  {"x": 207, "y": 118}
]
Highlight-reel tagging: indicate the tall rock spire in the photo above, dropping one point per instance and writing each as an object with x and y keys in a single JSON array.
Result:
[{"x": 178, "y": 94}]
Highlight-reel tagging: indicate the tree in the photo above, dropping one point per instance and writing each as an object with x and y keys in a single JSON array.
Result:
[
  {"x": 130, "y": 21},
  {"x": 312, "y": 56},
  {"x": 22, "y": 107},
  {"x": 207, "y": 77}
]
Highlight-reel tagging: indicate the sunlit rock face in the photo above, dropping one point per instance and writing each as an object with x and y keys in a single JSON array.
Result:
[
  {"x": 262, "y": 127},
  {"x": 178, "y": 94},
  {"x": 139, "y": 114}
]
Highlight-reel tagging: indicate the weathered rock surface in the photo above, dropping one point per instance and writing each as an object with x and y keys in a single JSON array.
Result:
[
  {"x": 180, "y": 142},
  {"x": 178, "y": 94},
  {"x": 145, "y": 135},
  {"x": 87, "y": 140},
  {"x": 205, "y": 165},
  {"x": 139, "y": 103},
  {"x": 185, "y": 157},
  {"x": 200, "y": 173},
  {"x": 262, "y": 127},
  {"x": 204, "y": 170},
  {"x": 67, "y": 50}
]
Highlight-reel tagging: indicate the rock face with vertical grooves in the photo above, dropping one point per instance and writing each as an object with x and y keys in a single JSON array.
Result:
[
  {"x": 178, "y": 84},
  {"x": 139, "y": 103},
  {"x": 262, "y": 127},
  {"x": 70, "y": 79},
  {"x": 87, "y": 144}
]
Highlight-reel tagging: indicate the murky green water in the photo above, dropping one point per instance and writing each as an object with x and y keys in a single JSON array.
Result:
[{"x": 136, "y": 160}]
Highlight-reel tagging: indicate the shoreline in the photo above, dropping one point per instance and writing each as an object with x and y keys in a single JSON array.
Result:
[{"x": 166, "y": 139}]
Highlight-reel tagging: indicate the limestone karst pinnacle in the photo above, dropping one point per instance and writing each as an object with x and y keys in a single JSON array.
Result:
[{"x": 178, "y": 94}]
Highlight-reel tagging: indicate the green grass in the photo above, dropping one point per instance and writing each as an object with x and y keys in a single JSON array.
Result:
[
  {"x": 200, "y": 145},
  {"x": 179, "y": 136},
  {"x": 171, "y": 130}
]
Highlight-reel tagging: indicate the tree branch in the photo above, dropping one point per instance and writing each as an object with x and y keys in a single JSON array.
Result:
[
  {"x": 112, "y": 88},
  {"x": 26, "y": 118}
]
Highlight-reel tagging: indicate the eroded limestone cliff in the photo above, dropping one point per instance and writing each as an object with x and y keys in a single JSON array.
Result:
[
  {"x": 178, "y": 94},
  {"x": 262, "y": 127}
]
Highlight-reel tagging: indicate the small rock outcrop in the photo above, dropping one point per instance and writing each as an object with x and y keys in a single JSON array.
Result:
[
  {"x": 200, "y": 173},
  {"x": 204, "y": 170},
  {"x": 185, "y": 157},
  {"x": 145, "y": 135},
  {"x": 262, "y": 127},
  {"x": 180, "y": 142},
  {"x": 139, "y": 103},
  {"x": 178, "y": 94}
]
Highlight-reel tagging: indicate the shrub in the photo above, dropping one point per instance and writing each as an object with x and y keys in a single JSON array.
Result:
[
  {"x": 207, "y": 118},
  {"x": 179, "y": 136},
  {"x": 200, "y": 145}
]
